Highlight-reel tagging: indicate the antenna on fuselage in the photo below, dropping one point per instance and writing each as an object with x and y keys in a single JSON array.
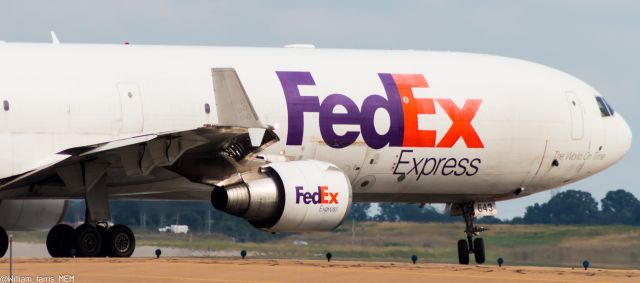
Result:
[{"x": 54, "y": 38}]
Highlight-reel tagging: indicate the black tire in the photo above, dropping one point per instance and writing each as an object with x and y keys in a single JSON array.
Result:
[
  {"x": 478, "y": 250},
  {"x": 4, "y": 242},
  {"x": 61, "y": 240},
  {"x": 88, "y": 241},
  {"x": 463, "y": 252},
  {"x": 104, "y": 233},
  {"x": 121, "y": 241}
]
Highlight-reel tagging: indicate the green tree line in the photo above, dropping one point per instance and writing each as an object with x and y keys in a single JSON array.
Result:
[
  {"x": 568, "y": 207},
  {"x": 579, "y": 207}
]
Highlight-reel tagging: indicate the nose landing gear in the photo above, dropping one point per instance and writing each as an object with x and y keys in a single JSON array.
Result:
[{"x": 470, "y": 245}]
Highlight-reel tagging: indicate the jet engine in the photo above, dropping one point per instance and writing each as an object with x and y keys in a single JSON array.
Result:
[
  {"x": 24, "y": 215},
  {"x": 293, "y": 196}
]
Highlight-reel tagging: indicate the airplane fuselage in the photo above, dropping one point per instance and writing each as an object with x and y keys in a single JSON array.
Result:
[{"x": 405, "y": 126}]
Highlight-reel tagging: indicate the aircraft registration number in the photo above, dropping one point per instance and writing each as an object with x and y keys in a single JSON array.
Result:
[{"x": 485, "y": 208}]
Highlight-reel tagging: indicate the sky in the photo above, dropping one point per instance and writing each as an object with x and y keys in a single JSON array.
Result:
[{"x": 596, "y": 41}]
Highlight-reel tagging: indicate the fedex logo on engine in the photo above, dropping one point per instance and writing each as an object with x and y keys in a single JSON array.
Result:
[
  {"x": 401, "y": 105},
  {"x": 322, "y": 196}
]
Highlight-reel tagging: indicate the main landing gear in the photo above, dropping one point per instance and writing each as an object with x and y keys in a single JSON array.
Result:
[
  {"x": 94, "y": 238},
  {"x": 470, "y": 245},
  {"x": 85, "y": 241},
  {"x": 90, "y": 241}
]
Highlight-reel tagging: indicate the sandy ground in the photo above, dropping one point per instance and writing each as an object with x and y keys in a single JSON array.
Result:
[
  {"x": 34, "y": 250},
  {"x": 31, "y": 264},
  {"x": 237, "y": 270}
]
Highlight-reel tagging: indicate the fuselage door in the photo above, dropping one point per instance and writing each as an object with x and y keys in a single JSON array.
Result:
[
  {"x": 131, "y": 106},
  {"x": 577, "y": 119}
]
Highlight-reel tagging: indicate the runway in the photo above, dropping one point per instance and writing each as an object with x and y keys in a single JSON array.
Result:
[{"x": 307, "y": 271}]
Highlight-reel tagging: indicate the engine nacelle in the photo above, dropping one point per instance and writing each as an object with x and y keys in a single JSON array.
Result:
[
  {"x": 25, "y": 215},
  {"x": 292, "y": 196}
]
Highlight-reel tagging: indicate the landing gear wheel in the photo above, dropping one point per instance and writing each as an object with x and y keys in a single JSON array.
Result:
[
  {"x": 463, "y": 252},
  {"x": 61, "y": 240},
  {"x": 4, "y": 242},
  {"x": 104, "y": 234},
  {"x": 478, "y": 250},
  {"x": 121, "y": 241},
  {"x": 88, "y": 241}
]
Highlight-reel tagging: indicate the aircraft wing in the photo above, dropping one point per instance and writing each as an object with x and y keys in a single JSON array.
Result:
[{"x": 210, "y": 154}]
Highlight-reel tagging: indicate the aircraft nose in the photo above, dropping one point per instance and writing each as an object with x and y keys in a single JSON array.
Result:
[{"x": 619, "y": 138}]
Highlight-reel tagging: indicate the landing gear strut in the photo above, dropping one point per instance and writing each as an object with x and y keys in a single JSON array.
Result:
[
  {"x": 470, "y": 245},
  {"x": 91, "y": 241}
]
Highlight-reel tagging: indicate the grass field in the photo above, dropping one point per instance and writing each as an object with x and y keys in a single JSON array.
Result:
[{"x": 548, "y": 245}]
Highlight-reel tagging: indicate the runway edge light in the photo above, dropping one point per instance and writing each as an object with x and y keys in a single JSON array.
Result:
[{"x": 585, "y": 264}]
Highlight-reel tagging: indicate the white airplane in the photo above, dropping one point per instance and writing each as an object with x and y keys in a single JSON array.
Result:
[{"x": 286, "y": 138}]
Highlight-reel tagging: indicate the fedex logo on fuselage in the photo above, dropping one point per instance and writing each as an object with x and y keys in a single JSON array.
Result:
[
  {"x": 401, "y": 105},
  {"x": 322, "y": 196}
]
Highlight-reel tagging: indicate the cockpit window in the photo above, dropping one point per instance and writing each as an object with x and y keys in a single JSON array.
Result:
[
  {"x": 608, "y": 107},
  {"x": 605, "y": 108}
]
